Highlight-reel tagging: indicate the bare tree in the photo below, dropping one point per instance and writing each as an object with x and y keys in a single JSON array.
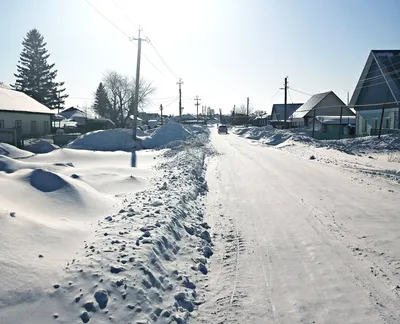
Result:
[{"x": 120, "y": 92}]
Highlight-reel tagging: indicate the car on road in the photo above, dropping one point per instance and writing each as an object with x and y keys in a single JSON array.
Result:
[{"x": 222, "y": 129}]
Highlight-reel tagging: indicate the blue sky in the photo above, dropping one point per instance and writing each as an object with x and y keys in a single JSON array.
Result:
[{"x": 224, "y": 50}]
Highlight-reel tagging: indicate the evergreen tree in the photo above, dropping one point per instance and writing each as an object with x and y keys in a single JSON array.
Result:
[
  {"x": 101, "y": 102},
  {"x": 35, "y": 76}
]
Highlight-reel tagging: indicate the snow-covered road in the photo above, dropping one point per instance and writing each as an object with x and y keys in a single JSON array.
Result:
[{"x": 298, "y": 241}]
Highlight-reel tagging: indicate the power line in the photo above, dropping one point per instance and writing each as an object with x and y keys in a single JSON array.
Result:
[
  {"x": 162, "y": 60},
  {"x": 276, "y": 93},
  {"x": 301, "y": 92},
  {"x": 125, "y": 15},
  {"x": 101, "y": 14},
  {"x": 290, "y": 96}
]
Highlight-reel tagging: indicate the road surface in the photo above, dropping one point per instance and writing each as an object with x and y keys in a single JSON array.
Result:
[{"x": 298, "y": 241}]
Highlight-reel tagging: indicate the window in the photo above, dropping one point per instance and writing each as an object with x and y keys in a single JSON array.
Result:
[
  {"x": 365, "y": 128},
  {"x": 46, "y": 127},
  {"x": 18, "y": 124},
  {"x": 33, "y": 127},
  {"x": 376, "y": 123},
  {"x": 387, "y": 123},
  {"x": 1, "y": 124}
]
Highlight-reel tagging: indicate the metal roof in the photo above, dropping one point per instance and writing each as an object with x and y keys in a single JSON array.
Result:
[
  {"x": 387, "y": 62},
  {"x": 16, "y": 101},
  {"x": 278, "y": 110},
  {"x": 310, "y": 104}
]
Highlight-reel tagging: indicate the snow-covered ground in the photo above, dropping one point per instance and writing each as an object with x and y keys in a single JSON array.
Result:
[
  {"x": 370, "y": 155},
  {"x": 298, "y": 241},
  {"x": 89, "y": 238}
]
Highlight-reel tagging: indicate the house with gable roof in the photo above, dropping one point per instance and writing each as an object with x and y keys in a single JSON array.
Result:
[{"x": 378, "y": 84}]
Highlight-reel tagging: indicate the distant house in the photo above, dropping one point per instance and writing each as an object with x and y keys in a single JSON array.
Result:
[
  {"x": 145, "y": 116},
  {"x": 278, "y": 111},
  {"x": 379, "y": 83},
  {"x": 22, "y": 116},
  {"x": 261, "y": 120},
  {"x": 320, "y": 104},
  {"x": 74, "y": 114}
]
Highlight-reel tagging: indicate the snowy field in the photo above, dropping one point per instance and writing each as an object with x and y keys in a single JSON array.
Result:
[{"x": 89, "y": 238}]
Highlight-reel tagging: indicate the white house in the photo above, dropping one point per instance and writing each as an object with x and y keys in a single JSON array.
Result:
[{"x": 22, "y": 115}]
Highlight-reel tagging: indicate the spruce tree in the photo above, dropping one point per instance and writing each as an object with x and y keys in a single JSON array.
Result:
[
  {"x": 101, "y": 102},
  {"x": 35, "y": 76}
]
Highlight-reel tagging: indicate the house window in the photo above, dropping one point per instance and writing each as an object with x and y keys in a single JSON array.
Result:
[
  {"x": 33, "y": 127},
  {"x": 46, "y": 127},
  {"x": 387, "y": 123},
  {"x": 365, "y": 125},
  {"x": 18, "y": 124},
  {"x": 1, "y": 124}
]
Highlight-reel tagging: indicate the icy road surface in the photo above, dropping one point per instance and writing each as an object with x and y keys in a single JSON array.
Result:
[{"x": 298, "y": 241}]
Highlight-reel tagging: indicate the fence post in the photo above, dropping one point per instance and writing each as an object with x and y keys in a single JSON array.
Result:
[
  {"x": 313, "y": 123},
  {"x": 380, "y": 126},
  {"x": 340, "y": 121}
]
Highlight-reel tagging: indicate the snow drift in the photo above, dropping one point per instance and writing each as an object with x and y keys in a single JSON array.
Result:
[
  {"x": 121, "y": 139},
  {"x": 41, "y": 146},
  {"x": 13, "y": 152}
]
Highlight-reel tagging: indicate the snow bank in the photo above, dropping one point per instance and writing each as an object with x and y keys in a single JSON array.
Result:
[
  {"x": 121, "y": 139},
  {"x": 13, "y": 152},
  {"x": 282, "y": 138},
  {"x": 41, "y": 146},
  {"x": 171, "y": 132}
]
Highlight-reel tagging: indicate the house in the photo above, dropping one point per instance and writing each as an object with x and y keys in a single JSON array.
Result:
[
  {"x": 261, "y": 120},
  {"x": 145, "y": 116},
  {"x": 320, "y": 104},
  {"x": 278, "y": 111},
  {"x": 22, "y": 116},
  {"x": 379, "y": 83},
  {"x": 74, "y": 114}
]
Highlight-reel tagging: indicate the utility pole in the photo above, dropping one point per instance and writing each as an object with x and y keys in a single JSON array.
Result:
[
  {"x": 220, "y": 115},
  {"x": 137, "y": 81},
  {"x": 247, "y": 110},
  {"x": 197, "y": 99},
  {"x": 286, "y": 99},
  {"x": 180, "y": 82},
  {"x": 161, "y": 109}
]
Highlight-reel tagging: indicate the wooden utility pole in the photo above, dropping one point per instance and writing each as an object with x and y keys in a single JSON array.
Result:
[
  {"x": 340, "y": 121},
  {"x": 313, "y": 123},
  {"x": 286, "y": 99},
  {"x": 180, "y": 82},
  {"x": 197, "y": 99},
  {"x": 137, "y": 82},
  {"x": 380, "y": 125},
  {"x": 220, "y": 115},
  {"x": 248, "y": 110},
  {"x": 161, "y": 109}
]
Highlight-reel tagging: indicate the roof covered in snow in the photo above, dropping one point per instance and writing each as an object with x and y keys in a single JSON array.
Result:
[
  {"x": 278, "y": 110},
  {"x": 311, "y": 103},
  {"x": 16, "y": 101}
]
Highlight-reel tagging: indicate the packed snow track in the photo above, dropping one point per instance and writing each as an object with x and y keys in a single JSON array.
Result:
[{"x": 298, "y": 241}]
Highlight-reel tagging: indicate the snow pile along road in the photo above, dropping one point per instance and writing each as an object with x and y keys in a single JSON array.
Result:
[
  {"x": 41, "y": 146},
  {"x": 143, "y": 263},
  {"x": 121, "y": 139}
]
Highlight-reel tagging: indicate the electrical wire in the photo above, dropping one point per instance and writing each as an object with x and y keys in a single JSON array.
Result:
[
  {"x": 290, "y": 96},
  {"x": 300, "y": 91},
  {"x": 101, "y": 14},
  {"x": 162, "y": 60},
  {"x": 125, "y": 15}
]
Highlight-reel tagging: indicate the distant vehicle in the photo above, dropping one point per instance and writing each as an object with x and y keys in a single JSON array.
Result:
[
  {"x": 222, "y": 129},
  {"x": 152, "y": 123}
]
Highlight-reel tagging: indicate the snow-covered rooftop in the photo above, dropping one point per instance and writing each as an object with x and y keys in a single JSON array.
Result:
[{"x": 12, "y": 100}]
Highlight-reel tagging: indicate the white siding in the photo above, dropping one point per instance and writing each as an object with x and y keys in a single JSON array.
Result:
[
  {"x": 330, "y": 101},
  {"x": 26, "y": 121}
]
